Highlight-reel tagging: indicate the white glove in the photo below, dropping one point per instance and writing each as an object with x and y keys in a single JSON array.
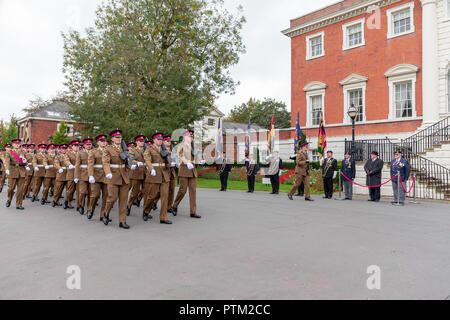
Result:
[
  {"x": 267, "y": 158},
  {"x": 140, "y": 164},
  {"x": 91, "y": 179},
  {"x": 202, "y": 162},
  {"x": 27, "y": 168},
  {"x": 47, "y": 167},
  {"x": 71, "y": 167},
  {"x": 133, "y": 167},
  {"x": 36, "y": 169},
  {"x": 153, "y": 173},
  {"x": 173, "y": 164},
  {"x": 247, "y": 159},
  {"x": 190, "y": 166},
  {"x": 61, "y": 170},
  {"x": 76, "y": 180},
  {"x": 7, "y": 172},
  {"x": 109, "y": 176},
  {"x": 334, "y": 175}
]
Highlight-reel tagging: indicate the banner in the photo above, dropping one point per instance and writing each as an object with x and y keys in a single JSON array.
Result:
[
  {"x": 247, "y": 139},
  {"x": 271, "y": 136},
  {"x": 219, "y": 146},
  {"x": 322, "y": 141},
  {"x": 298, "y": 136}
]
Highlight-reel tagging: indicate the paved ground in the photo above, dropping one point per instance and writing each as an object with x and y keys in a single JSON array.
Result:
[{"x": 257, "y": 246}]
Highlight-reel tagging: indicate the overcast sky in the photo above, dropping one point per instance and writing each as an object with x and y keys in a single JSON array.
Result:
[{"x": 31, "y": 48}]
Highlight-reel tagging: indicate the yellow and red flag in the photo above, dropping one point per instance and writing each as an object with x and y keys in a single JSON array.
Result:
[
  {"x": 322, "y": 141},
  {"x": 271, "y": 136}
]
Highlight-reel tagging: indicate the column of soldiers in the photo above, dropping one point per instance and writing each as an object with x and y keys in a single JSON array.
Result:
[{"x": 114, "y": 172}]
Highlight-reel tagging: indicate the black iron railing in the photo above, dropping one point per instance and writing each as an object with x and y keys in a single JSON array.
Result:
[
  {"x": 432, "y": 179},
  {"x": 429, "y": 137}
]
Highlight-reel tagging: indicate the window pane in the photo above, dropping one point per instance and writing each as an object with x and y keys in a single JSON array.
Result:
[
  {"x": 402, "y": 21},
  {"x": 403, "y": 100},
  {"x": 356, "y": 100},
  {"x": 316, "y": 108},
  {"x": 354, "y": 35},
  {"x": 316, "y": 46}
]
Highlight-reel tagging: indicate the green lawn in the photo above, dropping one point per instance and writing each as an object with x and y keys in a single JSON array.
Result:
[{"x": 240, "y": 185}]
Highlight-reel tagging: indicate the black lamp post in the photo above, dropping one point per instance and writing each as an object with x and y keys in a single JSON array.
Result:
[{"x": 353, "y": 113}]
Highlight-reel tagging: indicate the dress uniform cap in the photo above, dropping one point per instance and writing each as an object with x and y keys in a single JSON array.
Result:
[
  {"x": 304, "y": 144},
  {"x": 131, "y": 144},
  {"x": 8, "y": 145},
  {"x": 101, "y": 137},
  {"x": 88, "y": 141},
  {"x": 42, "y": 146},
  {"x": 167, "y": 137},
  {"x": 31, "y": 145},
  {"x": 52, "y": 146},
  {"x": 149, "y": 142},
  {"x": 63, "y": 146},
  {"x": 139, "y": 137},
  {"x": 75, "y": 143},
  {"x": 16, "y": 141},
  {"x": 189, "y": 133},
  {"x": 158, "y": 135},
  {"x": 116, "y": 133}
]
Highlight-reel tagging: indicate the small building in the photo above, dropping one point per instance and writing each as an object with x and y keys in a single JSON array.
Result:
[{"x": 43, "y": 123}]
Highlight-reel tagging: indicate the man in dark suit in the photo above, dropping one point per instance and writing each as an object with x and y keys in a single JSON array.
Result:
[
  {"x": 329, "y": 169},
  {"x": 374, "y": 168},
  {"x": 399, "y": 166},
  {"x": 349, "y": 170},
  {"x": 224, "y": 168}
]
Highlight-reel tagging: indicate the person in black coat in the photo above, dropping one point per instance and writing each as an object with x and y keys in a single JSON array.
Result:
[
  {"x": 349, "y": 170},
  {"x": 252, "y": 170},
  {"x": 224, "y": 169},
  {"x": 374, "y": 168},
  {"x": 329, "y": 169}
]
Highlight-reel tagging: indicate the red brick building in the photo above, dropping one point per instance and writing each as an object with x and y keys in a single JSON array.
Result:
[
  {"x": 43, "y": 123},
  {"x": 362, "y": 53}
]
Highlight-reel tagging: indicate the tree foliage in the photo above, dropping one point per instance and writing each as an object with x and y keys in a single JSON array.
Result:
[
  {"x": 9, "y": 131},
  {"x": 60, "y": 135},
  {"x": 260, "y": 113},
  {"x": 151, "y": 64}
]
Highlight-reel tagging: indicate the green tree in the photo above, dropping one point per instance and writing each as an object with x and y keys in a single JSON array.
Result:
[
  {"x": 260, "y": 113},
  {"x": 151, "y": 64},
  {"x": 10, "y": 131},
  {"x": 60, "y": 135}
]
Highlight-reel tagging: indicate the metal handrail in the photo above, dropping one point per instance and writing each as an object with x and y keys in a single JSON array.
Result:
[{"x": 429, "y": 137}]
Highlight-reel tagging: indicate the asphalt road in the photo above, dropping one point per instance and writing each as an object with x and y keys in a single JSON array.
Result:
[{"x": 246, "y": 246}]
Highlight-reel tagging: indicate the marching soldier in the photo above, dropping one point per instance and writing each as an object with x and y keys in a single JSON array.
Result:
[
  {"x": 50, "y": 172},
  {"x": 97, "y": 177},
  {"x": 81, "y": 174},
  {"x": 302, "y": 171},
  {"x": 137, "y": 176},
  {"x": 167, "y": 140},
  {"x": 61, "y": 162},
  {"x": 187, "y": 174},
  {"x": 2, "y": 171},
  {"x": 117, "y": 179},
  {"x": 29, "y": 178},
  {"x": 70, "y": 176},
  {"x": 329, "y": 170},
  {"x": 15, "y": 165},
  {"x": 158, "y": 176},
  {"x": 39, "y": 160}
]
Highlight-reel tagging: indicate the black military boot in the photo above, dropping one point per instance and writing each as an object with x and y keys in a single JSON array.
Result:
[
  {"x": 128, "y": 211},
  {"x": 155, "y": 207},
  {"x": 81, "y": 210},
  {"x": 66, "y": 205},
  {"x": 124, "y": 225},
  {"x": 106, "y": 220},
  {"x": 90, "y": 215},
  {"x": 194, "y": 215},
  {"x": 43, "y": 202},
  {"x": 174, "y": 211},
  {"x": 8, "y": 204},
  {"x": 34, "y": 199},
  {"x": 165, "y": 222}
]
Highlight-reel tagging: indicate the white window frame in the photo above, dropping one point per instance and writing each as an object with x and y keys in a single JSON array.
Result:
[
  {"x": 70, "y": 132},
  {"x": 346, "y": 90},
  {"x": 392, "y": 82},
  {"x": 390, "y": 26},
  {"x": 309, "y": 95},
  {"x": 314, "y": 154},
  {"x": 308, "y": 45},
  {"x": 345, "y": 44},
  {"x": 213, "y": 120}
]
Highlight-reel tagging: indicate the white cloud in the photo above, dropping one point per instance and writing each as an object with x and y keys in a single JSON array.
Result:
[{"x": 31, "y": 48}]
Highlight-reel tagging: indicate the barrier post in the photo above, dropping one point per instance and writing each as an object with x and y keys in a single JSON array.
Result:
[
  {"x": 414, "y": 190},
  {"x": 340, "y": 187}
]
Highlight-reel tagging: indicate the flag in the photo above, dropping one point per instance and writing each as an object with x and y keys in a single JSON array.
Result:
[
  {"x": 322, "y": 141},
  {"x": 271, "y": 136},
  {"x": 219, "y": 146},
  {"x": 247, "y": 139},
  {"x": 298, "y": 136},
  {"x": 27, "y": 133}
]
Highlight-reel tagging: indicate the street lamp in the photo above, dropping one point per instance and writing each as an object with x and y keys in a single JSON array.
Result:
[{"x": 353, "y": 113}]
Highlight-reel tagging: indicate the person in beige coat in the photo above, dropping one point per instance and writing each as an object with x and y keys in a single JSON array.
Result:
[
  {"x": 61, "y": 163},
  {"x": 302, "y": 171},
  {"x": 15, "y": 168},
  {"x": 117, "y": 179},
  {"x": 50, "y": 172},
  {"x": 81, "y": 177},
  {"x": 187, "y": 174},
  {"x": 39, "y": 160}
]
